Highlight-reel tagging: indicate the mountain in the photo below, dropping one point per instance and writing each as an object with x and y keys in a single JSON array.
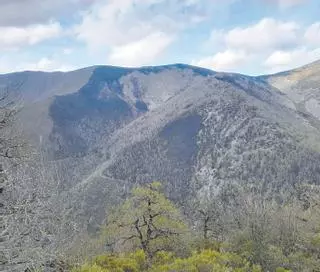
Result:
[
  {"x": 302, "y": 87},
  {"x": 189, "y": 127},
  {"x": 101, "y": 130}
]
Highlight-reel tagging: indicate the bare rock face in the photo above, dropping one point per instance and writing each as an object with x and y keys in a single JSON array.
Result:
[{"x": 101, "y": 130}]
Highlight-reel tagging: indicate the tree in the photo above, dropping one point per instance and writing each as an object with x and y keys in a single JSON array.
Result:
[
  {"x": 208, "y": 220},
  {"x": 10, "y": 152},
  {"x": 26, "y": 216},
  {"x": 34, "y": 225},
  {"x": 146, "y": 220}
]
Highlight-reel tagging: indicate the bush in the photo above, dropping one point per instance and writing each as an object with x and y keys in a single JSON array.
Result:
[
  {"x": 206, "y": 261},
  {"x": 203, "y": 261}
]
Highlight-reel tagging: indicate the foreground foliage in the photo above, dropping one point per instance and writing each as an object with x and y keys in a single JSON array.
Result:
[
  {"x": 203, "y": 261},
  {"x": 148, "y": 233}
]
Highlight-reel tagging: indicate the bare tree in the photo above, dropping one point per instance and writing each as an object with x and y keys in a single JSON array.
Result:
[
  {"x": 10, "y": 152},
  {"x": 27, "y": 218}
]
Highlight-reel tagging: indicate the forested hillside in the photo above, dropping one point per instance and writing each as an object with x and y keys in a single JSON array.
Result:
[{"x": 237, "y": 158}]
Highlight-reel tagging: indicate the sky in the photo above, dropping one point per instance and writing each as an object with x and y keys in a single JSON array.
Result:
[{"x": 245, "y": 36}]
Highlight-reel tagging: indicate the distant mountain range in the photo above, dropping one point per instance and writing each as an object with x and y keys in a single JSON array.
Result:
[{"x": 103, "y": 129}]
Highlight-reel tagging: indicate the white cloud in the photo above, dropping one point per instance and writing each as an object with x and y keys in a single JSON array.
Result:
[
  {"x": 14, "y": 37},
  {"x": 267, "y": 46},
  {"x": 265, "y": 35},
  {"x": 119, "y": 27},
  {"x": 141, "y": 52},
  {"x": 47, "y": 65},
  {"x": 309, "y": 51},
  {"x": 44, "y": 64},
  {"x": 129, "y": 29},
  {"x": 115, "y": 23},
  {"x": 108, "y": 26},
  {"x": 138, "y": 32},
  {"x": 312, "y": 34},
  {"x": 228, "y": 60},
  {"x": 284, "y": 60},
  {"x": 246, "y": 44}
]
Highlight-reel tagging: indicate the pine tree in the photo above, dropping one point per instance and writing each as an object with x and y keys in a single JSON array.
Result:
[{"x": 146, "y": 220}]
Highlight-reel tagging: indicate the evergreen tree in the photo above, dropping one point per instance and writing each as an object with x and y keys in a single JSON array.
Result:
[{"x": 146, "y": 220}]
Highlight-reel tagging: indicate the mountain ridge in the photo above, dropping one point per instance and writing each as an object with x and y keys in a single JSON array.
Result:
[
  {"x": 100, "y": 131},
  {"x": 164, "y": 66}
]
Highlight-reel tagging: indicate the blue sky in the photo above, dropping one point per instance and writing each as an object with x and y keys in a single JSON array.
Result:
[{"x": 245, "y": 36}]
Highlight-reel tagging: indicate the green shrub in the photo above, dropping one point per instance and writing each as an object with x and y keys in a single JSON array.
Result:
[{"x": 203, "y": 261}]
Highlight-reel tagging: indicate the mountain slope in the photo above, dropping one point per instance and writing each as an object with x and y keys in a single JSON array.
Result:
[
  {"x": 102, "y": 130},
  {"x": 196, "y": 131},
  {"x": 174, "y": 123},
  {"x": 302, "y": 87}
]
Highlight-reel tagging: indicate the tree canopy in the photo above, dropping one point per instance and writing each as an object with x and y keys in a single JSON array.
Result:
[{"x": 146, "y": 220}]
